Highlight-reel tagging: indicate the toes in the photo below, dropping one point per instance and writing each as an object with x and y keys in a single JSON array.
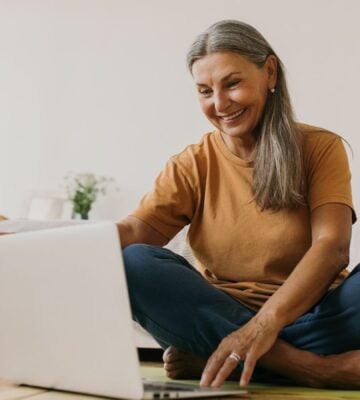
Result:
[
  {"x": 175, "y": 374},
  {"x": 168, "y": 353},
  {"x": 165, "y": 354},
  {"x": 171, "y": 354},
  {"x": 170, "y": 367}
]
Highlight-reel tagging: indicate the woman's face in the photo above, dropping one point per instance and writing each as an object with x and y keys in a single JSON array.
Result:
[{"x": 232, "y": 91}]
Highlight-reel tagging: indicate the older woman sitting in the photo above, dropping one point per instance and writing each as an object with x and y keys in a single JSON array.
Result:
[{"x": 269, "y": 205}]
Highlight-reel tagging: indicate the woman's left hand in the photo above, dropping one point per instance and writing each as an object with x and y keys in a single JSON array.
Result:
[{"x": 249, "y": 342}]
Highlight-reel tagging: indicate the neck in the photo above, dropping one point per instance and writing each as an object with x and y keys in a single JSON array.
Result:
[{"x": 240, "y": 147}]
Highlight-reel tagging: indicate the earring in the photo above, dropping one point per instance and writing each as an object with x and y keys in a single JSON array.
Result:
[{"x": 272, "y": 90}]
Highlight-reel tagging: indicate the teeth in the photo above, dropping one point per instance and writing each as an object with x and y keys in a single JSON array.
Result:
[{"x": 233, "y": 116}]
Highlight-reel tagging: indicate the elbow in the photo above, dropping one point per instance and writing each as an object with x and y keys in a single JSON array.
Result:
[
  {"x": 338, "y": 253},
  {"x": 342, "y": 256}
]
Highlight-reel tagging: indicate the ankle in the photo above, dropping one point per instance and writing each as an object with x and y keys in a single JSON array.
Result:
[
  {"x": 302, "y": 367},
  {"x": 315, "y": 373}
]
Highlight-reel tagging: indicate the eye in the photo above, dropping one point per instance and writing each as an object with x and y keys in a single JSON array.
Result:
[
  {"x": 233, "y": 84},
  {"x": 204, "y": 91}
]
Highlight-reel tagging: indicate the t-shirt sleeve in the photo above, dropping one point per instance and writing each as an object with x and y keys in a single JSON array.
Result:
[
  {"x": 329, "y": 177},
  {"x": 170, "y": 205}
]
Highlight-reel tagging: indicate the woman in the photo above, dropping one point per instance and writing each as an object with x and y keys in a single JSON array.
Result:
[{"x": 270, "y": 212}]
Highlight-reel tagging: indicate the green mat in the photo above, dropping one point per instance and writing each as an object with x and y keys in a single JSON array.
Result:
[{"x": 157, "y": 373}]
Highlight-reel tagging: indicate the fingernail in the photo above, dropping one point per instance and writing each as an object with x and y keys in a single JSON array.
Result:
[{"x": 203, "y": 380}]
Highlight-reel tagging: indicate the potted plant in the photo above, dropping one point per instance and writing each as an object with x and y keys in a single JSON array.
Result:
[{"x": 83, "y": 189}]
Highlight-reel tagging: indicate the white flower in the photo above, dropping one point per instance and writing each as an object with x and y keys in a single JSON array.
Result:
[
  {"x": 83, "y": 188},
  {"x": 87, "y": 180}
]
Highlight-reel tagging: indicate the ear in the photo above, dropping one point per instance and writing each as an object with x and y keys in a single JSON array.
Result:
[{"x": 271, "y": 69}]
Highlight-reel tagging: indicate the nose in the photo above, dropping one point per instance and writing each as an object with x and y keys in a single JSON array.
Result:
[{"x": 222, "y": 101}]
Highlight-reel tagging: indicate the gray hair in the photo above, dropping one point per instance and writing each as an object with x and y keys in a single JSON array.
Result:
[{"x": 278, "y": 170}]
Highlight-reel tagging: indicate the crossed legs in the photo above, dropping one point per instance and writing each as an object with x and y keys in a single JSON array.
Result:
[{"x": 190, "y": 317}]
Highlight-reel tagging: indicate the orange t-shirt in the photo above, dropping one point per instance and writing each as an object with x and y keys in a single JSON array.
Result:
[{"x": 239, "y": 248}]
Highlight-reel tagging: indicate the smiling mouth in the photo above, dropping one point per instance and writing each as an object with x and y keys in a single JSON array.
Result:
[{"x": 231, "y": 117}]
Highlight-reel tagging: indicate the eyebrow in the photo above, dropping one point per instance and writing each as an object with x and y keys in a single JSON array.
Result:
[{"x": 225, "y": 78}]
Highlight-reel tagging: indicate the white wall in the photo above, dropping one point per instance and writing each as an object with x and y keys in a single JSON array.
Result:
[{"x": 101, "y": 85}]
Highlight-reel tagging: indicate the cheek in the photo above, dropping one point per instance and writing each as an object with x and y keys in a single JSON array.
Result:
[
  {"x": 250, "y": 95},
  {"x": 206, "y": 108},
  {"x": 261, "y": 94},
  {"x": 263, "y": 98},
  {"x": 245, "y": 97},
  {"x": 255, "y": 99}
]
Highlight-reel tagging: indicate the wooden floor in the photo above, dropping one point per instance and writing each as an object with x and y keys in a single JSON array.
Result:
[
  {"x": 155, "y": 371},
  {"x": 265, "y": 391}
]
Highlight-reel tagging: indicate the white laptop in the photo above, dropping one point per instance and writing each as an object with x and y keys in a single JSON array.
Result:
[{"x": 65, "y": 319}]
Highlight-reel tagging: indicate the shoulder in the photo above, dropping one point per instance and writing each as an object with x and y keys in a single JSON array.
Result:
[
  {"x": 194, "y": 155},
  {"x": 317, "y": 141},
  {"x": 189, "y": 167},
  {"x": 314, "y": 137},
  {"x": 326, "y": 167}
]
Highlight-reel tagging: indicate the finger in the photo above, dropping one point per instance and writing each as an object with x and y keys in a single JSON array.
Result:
[
  {"x": 249, "y": 366},
  {"x": 225, "y": 371},
  {"x": 212, "y": 367}
]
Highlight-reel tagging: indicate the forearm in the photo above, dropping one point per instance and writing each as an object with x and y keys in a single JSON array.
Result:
[{"x": 307, "y": 283}]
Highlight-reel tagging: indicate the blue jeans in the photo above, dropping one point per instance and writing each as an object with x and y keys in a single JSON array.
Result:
[{"x": 178, "y": 307}]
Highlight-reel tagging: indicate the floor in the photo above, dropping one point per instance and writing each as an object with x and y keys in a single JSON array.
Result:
[
  {"x": 155, "y": 371},
  {"x": 264, "y": 391}
]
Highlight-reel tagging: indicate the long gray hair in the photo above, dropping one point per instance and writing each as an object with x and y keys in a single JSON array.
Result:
[{"x": 278, "y": 169}]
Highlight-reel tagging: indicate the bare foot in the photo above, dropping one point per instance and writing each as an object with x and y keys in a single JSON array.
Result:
[
  {"x": 181, "y": 365},
  {"x": 340, "y": 371},
  {"x": 343, "y": 370}
]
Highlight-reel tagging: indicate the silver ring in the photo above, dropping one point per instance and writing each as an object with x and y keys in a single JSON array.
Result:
[{"x": 235, "y": 356}]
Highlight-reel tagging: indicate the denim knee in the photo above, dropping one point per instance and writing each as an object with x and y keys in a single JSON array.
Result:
[
  {"x": 333, "y": 325},
  {"x": 135, "y": 253},
  {"x": 136, "y": 261}
]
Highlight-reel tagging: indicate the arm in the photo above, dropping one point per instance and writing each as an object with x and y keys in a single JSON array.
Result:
[
  {"x": 327, "y": 256},
  {"x": 133, "y": 230}
]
